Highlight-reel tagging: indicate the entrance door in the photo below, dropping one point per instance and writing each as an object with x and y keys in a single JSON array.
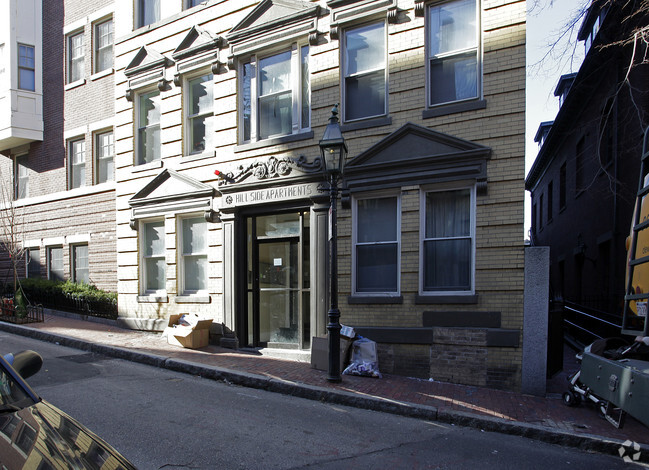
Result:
[{"x": 278, "y": 281}]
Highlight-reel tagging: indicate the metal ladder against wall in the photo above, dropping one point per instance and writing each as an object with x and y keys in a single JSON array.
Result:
[{"x": 635, "y": 322}]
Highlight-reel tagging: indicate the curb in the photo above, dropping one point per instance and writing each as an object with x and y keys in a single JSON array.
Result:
[{"x": 585, "y": 442}]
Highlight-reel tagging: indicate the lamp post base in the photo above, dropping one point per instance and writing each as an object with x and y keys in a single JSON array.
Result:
[{"x": 334, "y": 346}]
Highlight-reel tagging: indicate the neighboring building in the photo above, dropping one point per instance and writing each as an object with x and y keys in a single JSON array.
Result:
[
  {"x": 58, "y": 70},
  {"x": 585, "y": 177},
  {"x": 220, "y": 207}
]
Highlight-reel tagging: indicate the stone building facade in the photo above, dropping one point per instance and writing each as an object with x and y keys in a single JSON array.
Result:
[{"x": 222, "y": 209}]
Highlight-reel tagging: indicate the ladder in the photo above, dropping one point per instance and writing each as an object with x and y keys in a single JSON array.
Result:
[{"x": 636, "y": 299}]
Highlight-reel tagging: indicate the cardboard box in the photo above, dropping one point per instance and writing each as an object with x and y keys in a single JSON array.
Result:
[
  {"x": 320, "y": 352},
  {"x": 187, "y": 336},
  {"x": 348, "y": 332}
]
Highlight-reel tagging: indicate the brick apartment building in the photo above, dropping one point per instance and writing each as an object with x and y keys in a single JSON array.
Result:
[{"x": 219, "y": 206}]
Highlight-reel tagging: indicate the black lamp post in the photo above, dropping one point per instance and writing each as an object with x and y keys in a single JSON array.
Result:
[{"x": 333, "y": 151}]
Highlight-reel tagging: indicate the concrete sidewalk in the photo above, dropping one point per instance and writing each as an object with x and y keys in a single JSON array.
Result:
[{"x": 546, "y": 419}]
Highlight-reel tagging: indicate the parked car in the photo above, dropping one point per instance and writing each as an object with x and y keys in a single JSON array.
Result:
[{"x": 37, "y": 435}]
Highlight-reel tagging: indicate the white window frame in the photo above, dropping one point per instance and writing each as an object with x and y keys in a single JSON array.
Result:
[
  {"x": 356, "y": 243},
  {"x": 189, "y": 118},
  {"x": 24, "y": 65},
  {"x": 144, "y": 257},
  {"x": 74, "y": 261},
  {"x": 49, "y": 261},
  {"x": 298, "y": 126},
  {"x": 74, "y": 162},
  {"x": 98, "y": 49},
  {"x": 183, "y": 257},
  {"x": 21, "y": 177},
  {"x": 75, "y": 56},
  {"x": 345, "y": 75},
  {"x": 139, "y": 157},
  {"x": 140, "y": 7},
  {"x": 455, "y": 53},
  {"x": 422, "y": 236},
  {"x": 100, "y": 156}
]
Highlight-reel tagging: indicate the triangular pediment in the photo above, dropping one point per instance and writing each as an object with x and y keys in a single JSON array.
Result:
[
  {"x": 271, "y": 14},
  {"x": 170, "y": 186},
  {"x": 197, "y": 40},
  {"x": 146, "y": 59},
  {"x": 416, "y": 143}
]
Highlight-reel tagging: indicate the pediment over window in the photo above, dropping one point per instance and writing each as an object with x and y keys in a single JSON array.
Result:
[
  {"x": 199, "y": 48},
  {"x": 272, "y": 22},
  {"x": 344, "y": 12},
  {"x": 417, "y": 155},
  {"x": 171, "y": 192},
  {"x": 146, "y": 68}
]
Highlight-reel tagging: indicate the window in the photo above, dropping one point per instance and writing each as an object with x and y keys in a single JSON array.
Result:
[
  {"x": 550, "y": 200},
  {"x": 580, "y": 156},
  {"x": 55, "y": 263},
  {"x": 153, "y": 256},
  {"x": 193, "y": 263},
  {"x": 104, "y": 45},
  {"x": 77, "y": 149},
  {"x": 80, "y": 264},
  {"x": 534, "y": 222},
  {"x": 541, "y": 212},
  {"x": 376, "y": 245},
  {"x": 562, "y": 186},
  {"x": 364, "y": 58},
  {"x": 275, "y": 94},
  {"x": 148, "y": 132},
  {"x": 452, "y": 52},
  {"x": 26, "y": 68},
  {"x": 193, "y": 3},
  {"x": 148, "y": 12},
  {"x": 200, "y": 102},
  {"x": 448, "y": 241},
  {"x": 105, "y": 153},
  {"x": 21, "y": 178},
  {"x": 75, "y": 57},
  {"x": 33, "y": 262}
]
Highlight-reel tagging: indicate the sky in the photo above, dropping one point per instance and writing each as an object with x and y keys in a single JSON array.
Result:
[{"x": 545, "y": 22}]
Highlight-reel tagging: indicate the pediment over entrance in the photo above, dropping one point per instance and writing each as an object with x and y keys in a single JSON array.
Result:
[
  {"x": 171, "y": 192},
  {"x": 417, "y": 155}
]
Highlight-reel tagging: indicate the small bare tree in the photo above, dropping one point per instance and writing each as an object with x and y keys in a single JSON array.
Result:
[{"x": 11, "y": 227}]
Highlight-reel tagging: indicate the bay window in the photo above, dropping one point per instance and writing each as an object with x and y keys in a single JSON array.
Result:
[
  {"x": 364, "y": 69},
  {"x": 275, "y": 94},
  {"x": 376, "y": 241},
  {"x": 452, "y": 48},
  {"x": 448, "y": 241}
]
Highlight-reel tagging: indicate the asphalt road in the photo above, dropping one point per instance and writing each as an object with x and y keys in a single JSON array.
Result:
[{"x": 162, "y": 419}]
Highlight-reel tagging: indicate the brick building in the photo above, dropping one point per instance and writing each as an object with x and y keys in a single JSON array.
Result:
[
  {"x": 59, "y": 83},
  {"x": 221, "y": 207},
  {"x": 585, "y": 178}
]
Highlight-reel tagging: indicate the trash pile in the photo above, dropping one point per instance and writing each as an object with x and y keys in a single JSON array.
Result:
[
  {"x": 188, "y": 331},
  {"x": 363, "y": 358}
]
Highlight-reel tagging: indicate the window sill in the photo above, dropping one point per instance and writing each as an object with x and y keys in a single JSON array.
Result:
[
  {"x": 375, "y": 299},
  {"x": 147, "y": 166},
  {"x": 103, "y": 73},
  {"x": 153, "y": 299},
  {"x": 453, "y": 108},
  {"x": 197, "y": 156},
  {"x": 446, "y": 299},
  {"x": 76, "y": 84},
  {"x": 274, "y": 141},
  {"x": 366, "y": 124},
  {"x": 192, "y": 299}
]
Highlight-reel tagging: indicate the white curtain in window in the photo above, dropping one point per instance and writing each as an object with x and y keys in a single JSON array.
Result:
[
  {"x": 154, "y": 260},
  {"x": 194, "y": 244}
]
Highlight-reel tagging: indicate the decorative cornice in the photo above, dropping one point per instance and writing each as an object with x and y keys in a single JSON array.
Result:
[
  {"x": 271, "y": 168},
  {"x": 419, "y": 8}
]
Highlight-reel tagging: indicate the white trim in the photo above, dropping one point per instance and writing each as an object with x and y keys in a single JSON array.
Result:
[
  {"x": 376, "y": 195},
  {"x": 141, "y": 259},
  {"x": 74, "y": 26},
  {"x": 36, "y": 243},
  {"x": 78, "y": 238},
  {"x": 71, "y": 85},
  {"x": 103, "y": 73},
  {"x": 186, "y": 92},
  {"x": 101, "y": 14},
  {"x": 72, "y": 133},
  {"x": 104, "y": 124},
  {"x": 457, "y": 186},
  {"x": 53, "y": 241}
]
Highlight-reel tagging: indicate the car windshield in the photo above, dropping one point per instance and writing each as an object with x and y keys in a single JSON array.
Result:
[{"x": 12, "y": 395}]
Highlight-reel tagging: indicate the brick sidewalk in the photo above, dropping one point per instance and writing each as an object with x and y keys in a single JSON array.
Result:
[{"x": 450, "y": 400}]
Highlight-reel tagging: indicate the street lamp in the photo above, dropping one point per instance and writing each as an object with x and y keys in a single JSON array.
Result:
[{"x": 333, "y": 151}]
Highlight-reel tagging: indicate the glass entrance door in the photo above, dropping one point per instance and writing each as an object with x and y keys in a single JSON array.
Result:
[{"x": 278, "y": 281}]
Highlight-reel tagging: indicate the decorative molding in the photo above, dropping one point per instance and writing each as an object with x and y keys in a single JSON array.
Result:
[
  {"x": 273, "y": 167},
  {"x": 129, "y": 95},
  {"x": 334, "y": 31},
  {"x": 420, "y": 7}
]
